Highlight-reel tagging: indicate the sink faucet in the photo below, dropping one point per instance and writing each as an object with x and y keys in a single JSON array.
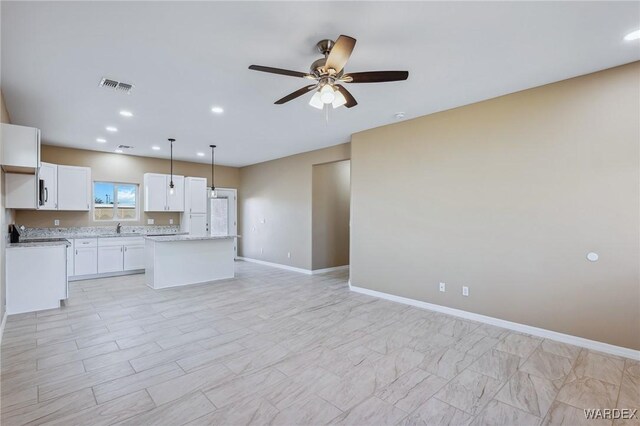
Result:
[{"x": 118, "y": 226}]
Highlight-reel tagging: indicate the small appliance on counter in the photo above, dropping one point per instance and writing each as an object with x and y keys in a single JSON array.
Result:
[{"x": 14, "y": 234}]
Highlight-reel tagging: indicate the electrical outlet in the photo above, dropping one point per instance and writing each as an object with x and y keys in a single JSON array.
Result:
[
  {"x": 150, "y": 221},
  {"x": 465, "y": 290},
  {"x": 170, "y": 221},
  {"x": 289, "y": 254},
  {"x": 56, "y": 222},
  {"x": 443, "y": 287}
]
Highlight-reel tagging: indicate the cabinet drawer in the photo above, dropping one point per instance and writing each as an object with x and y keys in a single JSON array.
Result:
[
  {"x": 120, "y": 241},
  {"x": 86, "y": 242}
]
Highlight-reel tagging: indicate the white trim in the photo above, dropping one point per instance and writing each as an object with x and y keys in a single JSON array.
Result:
[
  {"x": 104, "y": 275},
  {"x": 325, "y": 270},
  {"x": 276, "y": 265},
  {"x": 535, "y": 331},
  {"x": 4, "y": 322}
]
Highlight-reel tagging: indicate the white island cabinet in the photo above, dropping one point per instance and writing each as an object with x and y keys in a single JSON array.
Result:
[{"x": 188, "y": 259}]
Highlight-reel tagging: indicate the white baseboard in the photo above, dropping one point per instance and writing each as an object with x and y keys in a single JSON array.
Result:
[
  {"x": 277, "y": 265},
  {"x": 4, "y": 322},
  {"x": 534, "y": 331},
  {"x": 333, "y": 269}
]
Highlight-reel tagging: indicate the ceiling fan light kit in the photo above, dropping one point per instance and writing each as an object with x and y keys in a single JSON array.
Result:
[{"x": 328, "y": 73}]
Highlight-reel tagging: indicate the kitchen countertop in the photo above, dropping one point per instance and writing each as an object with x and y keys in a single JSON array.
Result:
[
  {"x": 168, "y": 238},
  {"x": 40, "y": 242},
  {"x": 73, "y": 235}
]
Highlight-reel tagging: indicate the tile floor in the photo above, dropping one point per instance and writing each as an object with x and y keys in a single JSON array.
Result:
[{"x": 277, "y": 347}]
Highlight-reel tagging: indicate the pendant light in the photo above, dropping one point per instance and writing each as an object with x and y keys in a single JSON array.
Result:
[
  {"x": 171, "y": 190},
  {"x": 213, "y": 193}
]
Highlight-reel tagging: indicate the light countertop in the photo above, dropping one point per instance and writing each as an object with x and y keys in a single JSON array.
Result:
[
  {"x": 73, "y": 235},
  {"x": 169, "y": 238},
  {"x": 42, "y": 242}
]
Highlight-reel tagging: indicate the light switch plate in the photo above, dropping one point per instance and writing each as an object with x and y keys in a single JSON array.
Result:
[
  {"x": 170, "y": 221},
  {"x": 443, "y": 287}
]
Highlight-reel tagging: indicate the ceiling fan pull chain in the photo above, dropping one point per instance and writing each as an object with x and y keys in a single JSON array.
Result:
[{"x": 326, "y": 113}]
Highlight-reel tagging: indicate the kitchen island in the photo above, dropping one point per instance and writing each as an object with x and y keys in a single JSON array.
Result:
[{"x": 178, "y": 260}]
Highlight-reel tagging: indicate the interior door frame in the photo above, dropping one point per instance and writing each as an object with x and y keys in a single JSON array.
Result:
[{"x": 235, "y": 210}]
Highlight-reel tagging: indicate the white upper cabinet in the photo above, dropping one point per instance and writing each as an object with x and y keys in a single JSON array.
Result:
[
  {"x": 175, "y": 201},
  {"x": 74, "y": 188},
  {"x": 156, "y": 193},
  {"x": 20, "y": 148},
  {"x": 195, "y": 199},
  {"x": 21, "y": 191},
  {"x": 48, "y": 175}
]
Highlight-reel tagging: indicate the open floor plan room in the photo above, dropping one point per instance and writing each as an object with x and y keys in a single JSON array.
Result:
[
  {"x": 278, "y": 347},
  {"x": 370, "y": 213}
]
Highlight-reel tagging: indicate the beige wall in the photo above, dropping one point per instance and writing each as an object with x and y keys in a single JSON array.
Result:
[
  {"x": 6, "y": 216},
  {"x": 330, "y": 214},
  {"x": 275, "y": 207},
  {"x": 507, "y": 197},
  {"x": 119, "y": 168}
]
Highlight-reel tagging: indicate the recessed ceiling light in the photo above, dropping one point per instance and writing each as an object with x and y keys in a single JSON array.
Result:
[
  {"x": 633, "y": 35},
  {"x": 101, "y": 140},
  {"x": 126, "y": 113},
  {"x": 200, "y": 154},
  {"x": 217, "y": 110},
  {"x": 111, "y": 129},
  {"x": 119, "y": 151},
  {"x": 155, "y": 148}
]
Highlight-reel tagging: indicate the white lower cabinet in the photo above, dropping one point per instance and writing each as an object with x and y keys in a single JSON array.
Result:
[
  {"x": 85, "y": 261},
  {"x": 133, "y": 257},
  {"x": 109, "y": 259},
  {"x": 91, "y": 256}
]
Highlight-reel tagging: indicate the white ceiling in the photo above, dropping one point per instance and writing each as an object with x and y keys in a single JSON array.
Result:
[{"x": 185, "y": 57}]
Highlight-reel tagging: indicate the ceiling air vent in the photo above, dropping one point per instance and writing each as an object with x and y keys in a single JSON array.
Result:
[
  {"x": 116, "y": 85},
  {"x": 124, "y": 147}
]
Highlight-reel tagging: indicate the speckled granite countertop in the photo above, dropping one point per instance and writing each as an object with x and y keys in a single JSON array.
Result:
[
  {"x": 97, "y": 232},
  {"x": 42, "y": 242},
  {"x": 168, "y": 238}
]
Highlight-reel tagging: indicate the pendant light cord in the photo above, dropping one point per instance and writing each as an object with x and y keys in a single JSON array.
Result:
[
  {"x": 213, "y": 176},
  {"x": 171, "y": 166}
]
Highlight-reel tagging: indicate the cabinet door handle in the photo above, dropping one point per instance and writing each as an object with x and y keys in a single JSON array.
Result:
[
  {"x": 76, "y": 251},
  {"x": 125, "y": 249},
  {"x": 46, "y": 194}
]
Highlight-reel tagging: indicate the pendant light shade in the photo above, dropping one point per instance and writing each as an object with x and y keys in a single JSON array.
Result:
[
  {"x": 212, "y": 191},
  {"x": 171, "y": 188}
]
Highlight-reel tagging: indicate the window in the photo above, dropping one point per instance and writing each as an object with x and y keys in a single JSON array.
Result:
[{"x": 115, "y": 201}]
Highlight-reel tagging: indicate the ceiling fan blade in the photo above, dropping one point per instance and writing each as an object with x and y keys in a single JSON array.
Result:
[
  {"x": 279, "y": 71},
  {"x": 375, "y": 76},
  {"x": 295, "y": 94},
  {"x": 351, "y": 101},
  {"x": 340, "y": 53}
]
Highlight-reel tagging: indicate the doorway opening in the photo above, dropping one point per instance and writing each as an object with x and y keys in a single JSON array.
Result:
[{"x": 331, "y": 201}]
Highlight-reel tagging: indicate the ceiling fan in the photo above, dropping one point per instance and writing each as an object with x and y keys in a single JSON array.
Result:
[{"x": 328, "y": 73}]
